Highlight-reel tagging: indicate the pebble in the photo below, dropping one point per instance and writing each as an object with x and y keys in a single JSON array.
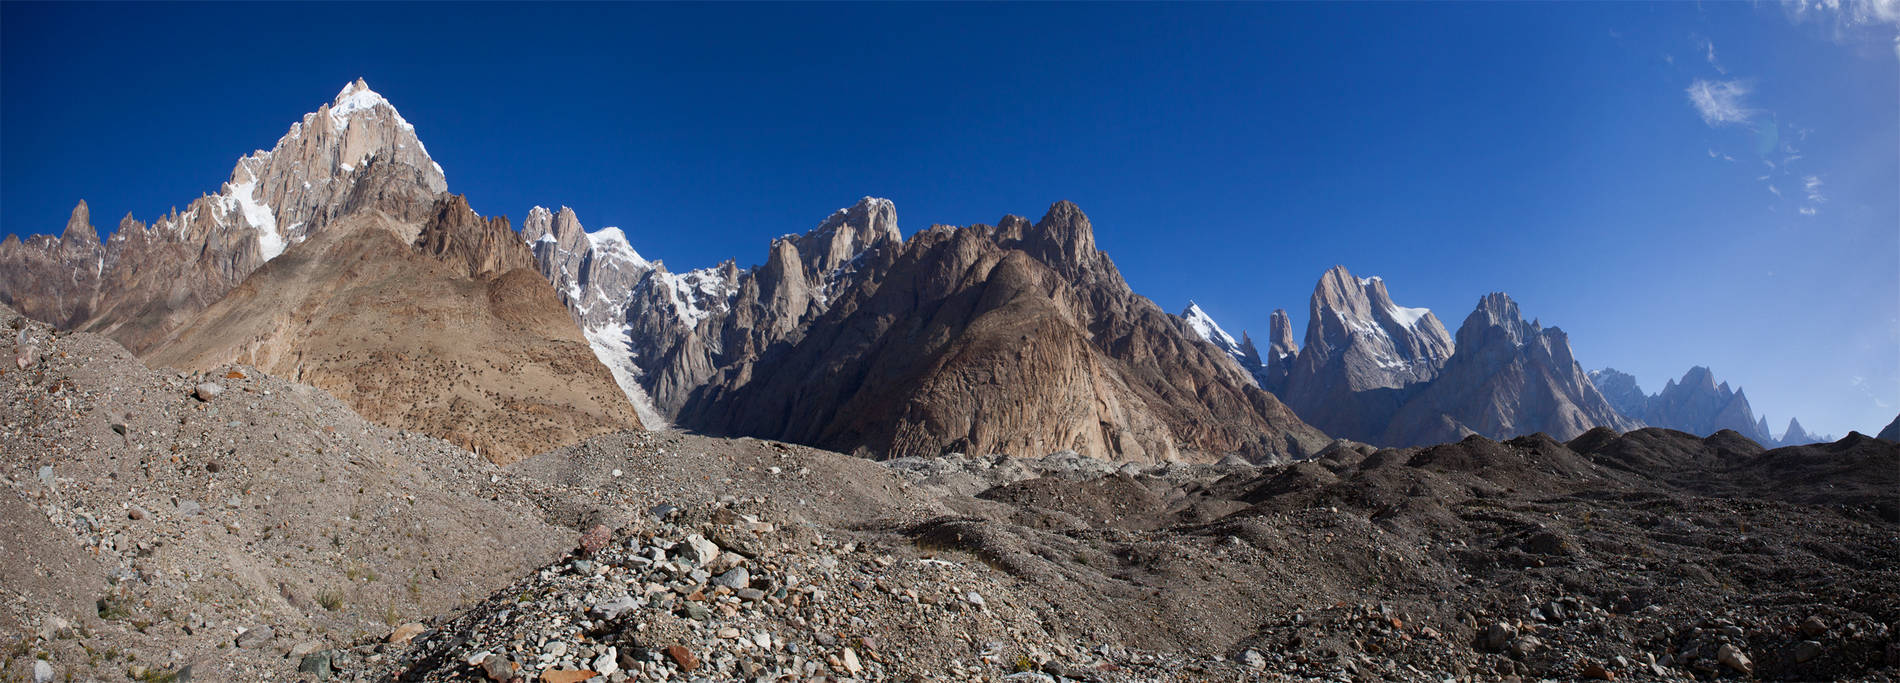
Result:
[
  {"x": 207, "y": 391},
  {"x": 736, "y": 579},
  {"x": 42, "y": 671},
  {"x": 595, "y": 539},
  {"x": 851, "y": 662},
  {"x": 405, "y": 633},
  {"x": 255, "y": 637},
  {"x": 1807, "y": 650},
  {"x": 1813, "y": 627}
]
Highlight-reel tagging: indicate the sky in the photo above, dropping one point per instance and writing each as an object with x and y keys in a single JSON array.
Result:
[{"x": 1673, "y": 184}]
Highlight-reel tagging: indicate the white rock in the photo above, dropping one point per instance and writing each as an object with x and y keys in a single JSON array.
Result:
[
  {"x": 701, "y": 550},
  {"x": 608, "y": 663},
  {"x": 42, "y": 671}
]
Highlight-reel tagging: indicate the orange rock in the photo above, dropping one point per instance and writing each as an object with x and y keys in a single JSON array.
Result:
[
  {"x": 1596, "y": 671},
  {"x": 405, "y": 633},
  {"x": 683, "y": 657},
  {"x": 234, "y": 375},
  {"x": 554, "y": 676}
]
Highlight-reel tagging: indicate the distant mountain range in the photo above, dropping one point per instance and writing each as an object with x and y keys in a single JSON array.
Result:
[
  {"x": 1374, "y": 371},
  {"x": 339, "y": 259}
]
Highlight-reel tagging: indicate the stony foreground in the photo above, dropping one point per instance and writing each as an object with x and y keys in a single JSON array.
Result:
[{"x": 231, "y": 526}]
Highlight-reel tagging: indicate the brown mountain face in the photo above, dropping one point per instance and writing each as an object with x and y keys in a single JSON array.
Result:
[
  {"x": 337, "y": 259},
  {"x": 353, "y": 153},
  {"x": 1016, "y": 338},
  {"x": 443, "y": 328}
]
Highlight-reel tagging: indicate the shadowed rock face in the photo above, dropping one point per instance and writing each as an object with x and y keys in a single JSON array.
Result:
[
  {"x": 1509, "y": 377},
  {"x": 442, "y": 328},
  {"x": 1892, "y": 430},
  {"x": 664, "y": 333},
  {"x": 353, "y": 153},
  {"x": 1015, "y": 338}
]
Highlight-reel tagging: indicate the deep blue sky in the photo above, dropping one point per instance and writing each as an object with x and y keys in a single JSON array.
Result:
[{"x": 1226, "y": 153}]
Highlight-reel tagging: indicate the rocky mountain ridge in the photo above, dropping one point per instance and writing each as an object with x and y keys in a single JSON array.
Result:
[
  {"x": 338, "y": 258},
  {"x": 1015, "y": 338},
  {"x": 145, "y": 280}
]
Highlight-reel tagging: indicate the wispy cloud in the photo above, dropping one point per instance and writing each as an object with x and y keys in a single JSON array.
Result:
[
  {"x": 1775, "y": 190},
  {"x": 1807, "y": 210},
  {"x": 1860, "y": 383},
  {"x": 1708, "y": 47},
  {"x": 1721, "y": 102},
  {"x": 1812, "y": 184},
  {"x": 1849, "y": 20}
]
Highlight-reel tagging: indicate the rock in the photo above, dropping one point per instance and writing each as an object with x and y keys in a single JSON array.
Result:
[
  {"x": 750, "y": 594},
  {"x": 1596, "y": 671},
  {"x": 189, "y": 508},
  {"x": 1253, "y": 659},
  {"x": 682, "y": 657},
  {"x": 662, "y": 511},
  {"x": 612, "y": 609},
  {"x": 405, "y": 633},
  {"x": 595, "y": 539},
  {"x": 608, "y": 662},
  {"x": 42, "y": 671},
  {"x": 135, "y": 513},
  {"x": 1807, "y": 650},
  {"x": 1524, "y": 645},
  {"x": 1734, "y": 658},
  {"x": 1498, "y": 635},
  {"x": 317, "y": 663},
  {"x": 255, "y": 637},
  {"x": 567, "y": 675},
  {"x": 1813, "y": 627},
  {"x": 498, "y": 669},
  {"x": 306, "y": 647},
  {"x": 207, "y": 391},
  {"x": 46, "y": 476},
  {"x": 851, "y": 663},
  {"x": 700, "y": 550},
  {"x": 736, "y": 579},
  {"x": 26, "y": 356},
  {"x": 974, "y": 598}
]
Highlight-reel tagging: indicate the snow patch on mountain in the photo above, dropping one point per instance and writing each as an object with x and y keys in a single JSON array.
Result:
[
  {"x": 614, "y": 348},
  {"x": 242, "y": 199},
  {"x": 696, "y": 293}
]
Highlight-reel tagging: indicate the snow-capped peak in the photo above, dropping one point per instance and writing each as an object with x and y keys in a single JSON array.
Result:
[
  {"x": 612, "y": 242},
  {"x": 1204, "y": 325},
  {"x": 357, "y": 97}
]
